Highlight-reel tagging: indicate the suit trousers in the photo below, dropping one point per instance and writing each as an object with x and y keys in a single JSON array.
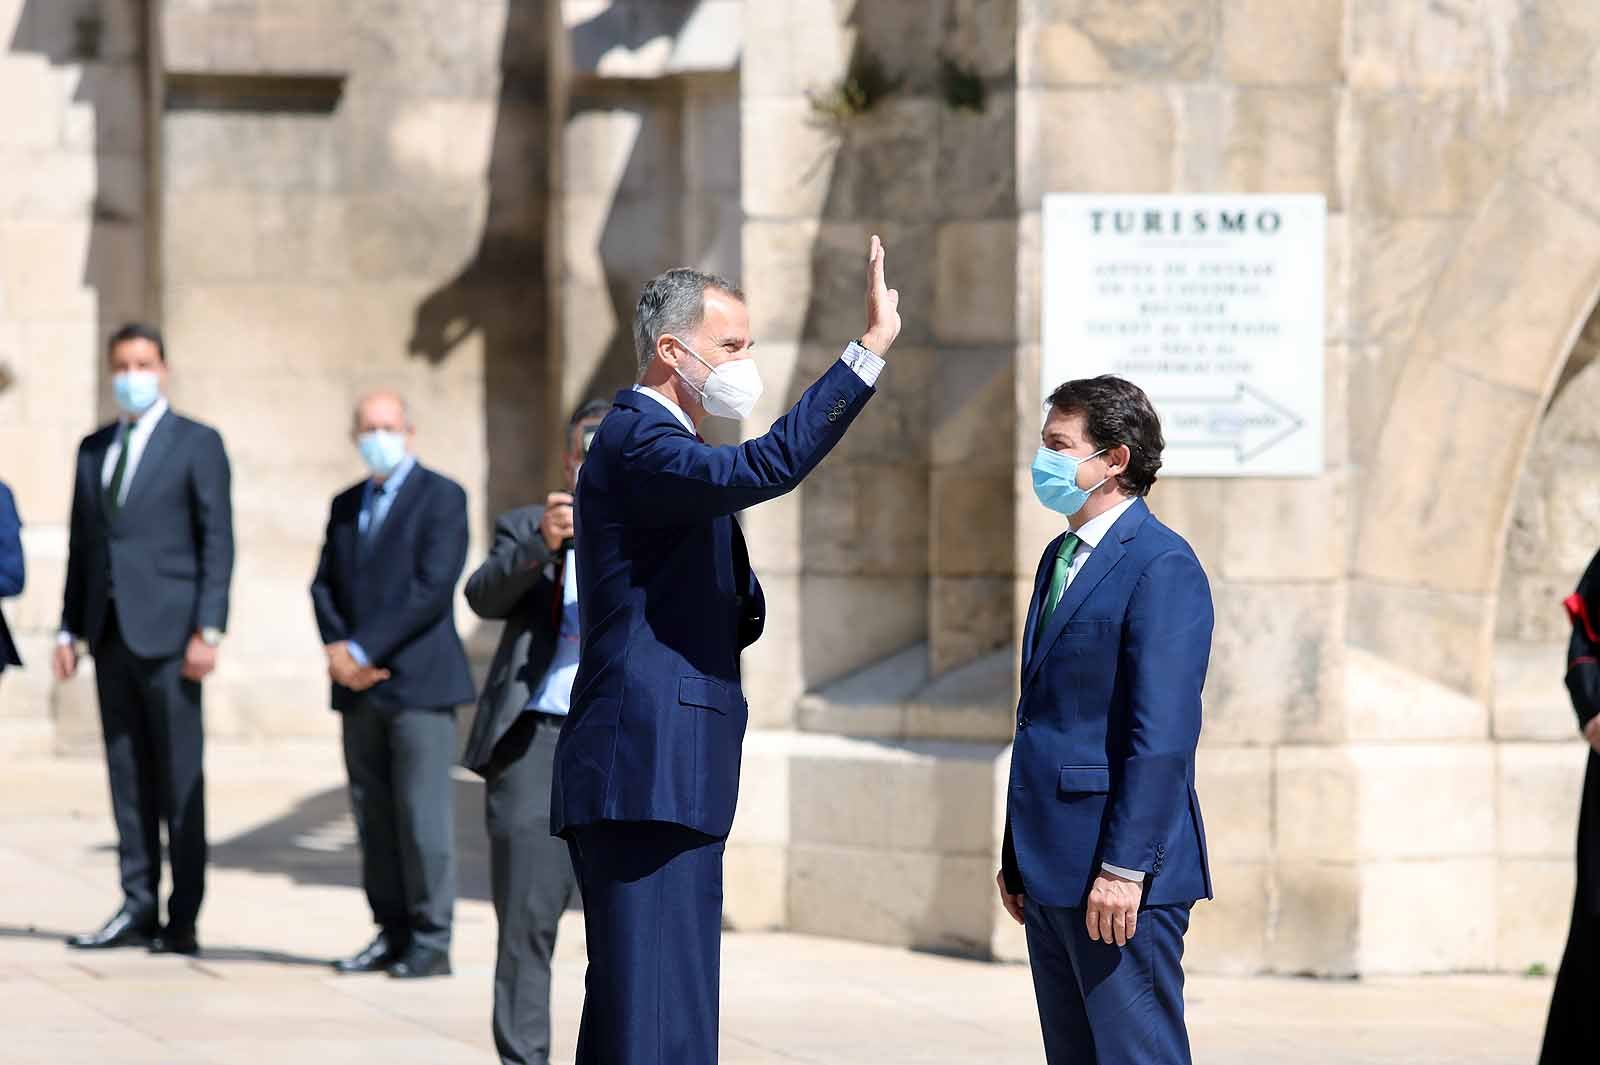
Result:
[
  {"x": 532, "y": 879},
  {"x": 652, "y": 908},
  {"x": 1101, "y": 1004},
  {"x": 155, "y": 744},
  {"x": 398, "y": 762}
]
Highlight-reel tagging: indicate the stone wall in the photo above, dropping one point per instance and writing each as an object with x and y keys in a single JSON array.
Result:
[
  {"x": 438, "y": 193},
  {"x": 349, "y": 197},
  {"x": 73, "y": 248},
  {"x": 646, "y": 171}
]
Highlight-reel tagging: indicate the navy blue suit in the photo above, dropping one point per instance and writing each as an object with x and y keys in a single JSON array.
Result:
[
  {"x": 392, "y": 592},
  {"x": 395, "y": 596},
  {"x": 1103, "y": 771},
  {"x": 647, "y": 767},
  {"x": 12, "y": 570}
]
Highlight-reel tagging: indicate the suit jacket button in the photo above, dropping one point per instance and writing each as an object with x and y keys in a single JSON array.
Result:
[{"x": 1022, "y": 723}]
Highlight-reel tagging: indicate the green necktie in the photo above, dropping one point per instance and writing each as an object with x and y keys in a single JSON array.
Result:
[
  {"x": 114, "y": 491},
  {"x": 1058, "y": 577}
]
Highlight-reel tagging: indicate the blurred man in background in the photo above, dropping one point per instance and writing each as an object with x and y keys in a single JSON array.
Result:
[
  {"x": 149, "y": 562},
  {"x": 13, "y": 571},
  {"x": 1104, "y": 852},
  {"x": 384, "y": 595},
  {"x": 530, "y": 582}
]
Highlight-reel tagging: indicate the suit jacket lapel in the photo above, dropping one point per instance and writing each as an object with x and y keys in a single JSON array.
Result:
[
  {"x": 95, "y": 459},
  {"x": 156, "y": 450},
  {"x": 403, "y": 498},
  {"x": 1103, "y": 558},
  {"x": 1041, "y": 580}
]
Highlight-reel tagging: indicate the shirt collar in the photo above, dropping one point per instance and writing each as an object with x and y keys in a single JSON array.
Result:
[
  {"x": 677, "y": 411},
  {"x": 146, "y": 422},
  {"x": 1095, "y": 529},
  {"x": 393, "y": 482}
]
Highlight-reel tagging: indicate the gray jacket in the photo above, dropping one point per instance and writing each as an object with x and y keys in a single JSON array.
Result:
[{"x": 520, "y": 584}]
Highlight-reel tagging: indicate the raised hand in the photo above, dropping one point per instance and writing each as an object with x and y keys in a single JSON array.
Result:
[{"x": 883, "y": 304}]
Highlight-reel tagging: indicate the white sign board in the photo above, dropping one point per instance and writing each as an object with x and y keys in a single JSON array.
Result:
[{"x": 1212, "y": 304}]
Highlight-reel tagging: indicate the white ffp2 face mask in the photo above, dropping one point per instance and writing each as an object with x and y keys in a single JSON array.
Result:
[{"x": 730, "y": 390}]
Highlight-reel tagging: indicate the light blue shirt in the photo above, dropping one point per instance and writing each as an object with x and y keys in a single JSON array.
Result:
[
  {"x": 376, "y": 501},
  {"x": 554, "y": 694}
]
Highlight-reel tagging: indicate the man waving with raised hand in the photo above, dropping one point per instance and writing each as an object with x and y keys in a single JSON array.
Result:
[{"x": 647, "y": 766}]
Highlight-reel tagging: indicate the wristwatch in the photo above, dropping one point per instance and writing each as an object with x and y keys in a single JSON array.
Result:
[{"x": 211, "y": 636}]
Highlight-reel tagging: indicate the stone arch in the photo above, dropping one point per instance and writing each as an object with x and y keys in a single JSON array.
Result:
[{"x": 1482, "y": 365}]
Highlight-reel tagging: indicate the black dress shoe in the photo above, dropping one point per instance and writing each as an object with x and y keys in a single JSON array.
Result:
[
  {"x": 420, "y": 962},
  {"x": 377, "y": 956},
  {"x": 123, "y": 930},
  {"x": 175, "y": 941}
]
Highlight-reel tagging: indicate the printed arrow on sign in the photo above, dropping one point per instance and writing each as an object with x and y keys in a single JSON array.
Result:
[{"x": 1246, "y": 421}]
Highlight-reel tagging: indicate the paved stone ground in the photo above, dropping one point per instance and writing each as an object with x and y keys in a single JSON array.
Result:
[{"x": 283, "y": 900}]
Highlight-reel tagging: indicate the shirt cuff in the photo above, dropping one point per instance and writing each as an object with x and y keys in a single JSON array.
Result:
[
  {"x": 65, "y": 639},
  {"x": 357, "y": 653},
  {"x": 866, "y": 364},
  {"x": 1136, "y": 875}
]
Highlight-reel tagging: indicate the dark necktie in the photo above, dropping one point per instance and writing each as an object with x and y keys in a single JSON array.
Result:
[{"x": 118, "y": 475}]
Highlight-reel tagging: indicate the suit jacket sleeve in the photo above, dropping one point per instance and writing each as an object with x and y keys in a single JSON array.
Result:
[
  {"x": 673, "y": 478},
  {"x": 514, "y": 568},
  {"x": 441, "y": 555},
  {"x": 72, "y": 599},
  {"x": 213, "y": 500},
  {"x": 1166, "y": 645},
  {"x": 330, "y": 623},
  {"x": 13, "y": 569}
]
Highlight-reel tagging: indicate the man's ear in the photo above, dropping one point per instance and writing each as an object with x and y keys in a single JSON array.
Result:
[{"x": 668, "y": 345}]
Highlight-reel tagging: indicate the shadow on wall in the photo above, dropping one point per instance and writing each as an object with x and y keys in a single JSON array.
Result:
[
  {"x": 98, "y": 147},
  {"x": 662, "y": 207},
  {"x": 501, "y": 293}
]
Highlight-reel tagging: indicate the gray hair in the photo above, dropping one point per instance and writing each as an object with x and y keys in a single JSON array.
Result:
[{"x": 673, "y": 302}]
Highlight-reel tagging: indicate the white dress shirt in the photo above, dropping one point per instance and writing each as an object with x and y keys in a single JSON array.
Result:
[
  {"x": 138, "y": 439},
  {"x": 867, "y": 365},
  {"x": 1089, "y": 536},
  {"x": 1094, "y": 530},
  {"x": 554, "y": 694}
]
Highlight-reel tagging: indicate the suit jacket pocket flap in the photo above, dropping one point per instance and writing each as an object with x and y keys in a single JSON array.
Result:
[
  {"x": 707, "y": 693},
  {"x": 1080, "y": 779}
]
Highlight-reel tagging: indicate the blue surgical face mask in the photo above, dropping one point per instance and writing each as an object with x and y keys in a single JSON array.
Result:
[
  {"x": 136, "y": 391},
  {"x": 1055, "y": 480},
  {"x": 382, "y": 450}
]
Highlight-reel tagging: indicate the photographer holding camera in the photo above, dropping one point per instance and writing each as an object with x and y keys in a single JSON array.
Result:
[{"x": 529, "y": 582}]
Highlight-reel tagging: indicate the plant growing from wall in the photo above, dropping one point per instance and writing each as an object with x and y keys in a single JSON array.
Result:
[
  {"x": 963, "y": 86},
  {"x": 862, "y": 88}
]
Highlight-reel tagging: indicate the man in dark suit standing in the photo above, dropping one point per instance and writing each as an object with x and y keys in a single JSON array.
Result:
[
  {"x": 647, "y": 767},
  {"x": 13, "y": 571},
  {"x": 1104, "y": 850},
  {"x": 384, "y": 595},
  {"x": 149, "y": 561},
  {"x": 529, "y": 582}
]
